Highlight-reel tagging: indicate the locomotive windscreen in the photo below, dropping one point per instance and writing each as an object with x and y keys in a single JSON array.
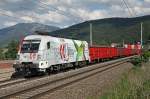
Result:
[{"x": 30, "y": 46}]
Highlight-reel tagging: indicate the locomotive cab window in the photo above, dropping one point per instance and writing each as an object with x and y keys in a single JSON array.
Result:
[
  {"x": 29, "y": 46},
  {"x": 48, "y": 45}
]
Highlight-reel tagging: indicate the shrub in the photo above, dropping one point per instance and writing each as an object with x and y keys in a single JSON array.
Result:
[
  {"x": 137, "y": 61},
  {"x": 12, "y": 50},
  {"x": 2, "y": 56},
  {"x": 146, "y": 56}
]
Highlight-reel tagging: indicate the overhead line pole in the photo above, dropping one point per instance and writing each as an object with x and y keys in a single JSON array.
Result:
[
  {"x": 91, "y": 34},
  {"x": 141, "y": 34},
  {"x": 123, "y": 42}
]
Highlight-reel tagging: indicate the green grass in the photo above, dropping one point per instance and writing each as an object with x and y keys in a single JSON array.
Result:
[{"x": 133, "y": 85}]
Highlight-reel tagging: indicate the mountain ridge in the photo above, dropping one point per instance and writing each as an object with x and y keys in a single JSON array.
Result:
[
  {"x": 105, "y": 31},
  {"x": 108, "y": 30},
  {"x": 22, "y": 29}
]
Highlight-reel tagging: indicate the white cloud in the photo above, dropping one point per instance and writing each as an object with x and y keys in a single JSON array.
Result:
[
  {"x": 9, "y": 13},
  {"x": 62, "y": 8},
  {"x": 27, "y": 18},
  {"x": 147, "y": 0},
  {"x": 72, "y": 11},
  {"x": 59, "y": 2},
  {"x": 9, "y": 23},
  {"x": 87, "y": 15},
  {"x": 13, "y": 0},
  {"x": 52, "y": 16}
]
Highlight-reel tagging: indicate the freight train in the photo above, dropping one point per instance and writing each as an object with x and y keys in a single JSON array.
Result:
[{"x": 44, "y": 54}]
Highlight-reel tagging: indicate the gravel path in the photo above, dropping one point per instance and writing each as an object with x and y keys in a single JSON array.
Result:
[
  {"x": 90, "y": 87},
  {"x": 5, "y": 73},
  {"x": 6, "y": 69}
]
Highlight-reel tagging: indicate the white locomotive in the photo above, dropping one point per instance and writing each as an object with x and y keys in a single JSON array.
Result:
[{"x": 40, "y": 53}]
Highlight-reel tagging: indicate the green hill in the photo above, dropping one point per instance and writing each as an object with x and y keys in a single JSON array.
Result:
[
  {"x": 108, "y": 30},
  {"x": 105, "y": 31}
]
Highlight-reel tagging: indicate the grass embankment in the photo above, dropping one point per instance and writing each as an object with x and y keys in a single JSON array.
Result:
[{"x": 133, "y": 85}]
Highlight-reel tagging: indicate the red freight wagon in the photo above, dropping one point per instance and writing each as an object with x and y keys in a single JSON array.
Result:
[
  {"x": 120, "y": 52},
  {"x": 97, "y": 53},
  {"x": 114, "y": 52},
  {"x": 127, "y": 50},
  {"x": 132, "y": 49},
  {"x": 104, "y": 51},
  {"x": 138, "y": 48},
  {"x": 92, "y": 53}
]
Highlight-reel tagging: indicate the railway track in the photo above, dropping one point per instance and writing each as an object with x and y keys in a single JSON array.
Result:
[
  {"x": 15, "y": 81},
  {"x": 37, "y": 87},
  {"x": 53, "y": 86},
  {"x": 10, "y": 82}
]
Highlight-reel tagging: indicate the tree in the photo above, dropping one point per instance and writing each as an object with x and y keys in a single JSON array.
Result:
[
  {"x": 2, "y": 56},
  {"x": 149, "y": 37},
  {"x": 12, "y": 50}
]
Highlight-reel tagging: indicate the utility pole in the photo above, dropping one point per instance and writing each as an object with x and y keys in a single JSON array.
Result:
[
  {"x": 123, "y": 42},
  {"x": 141, "y": 34},
  {"x": 91, "y": 34}
]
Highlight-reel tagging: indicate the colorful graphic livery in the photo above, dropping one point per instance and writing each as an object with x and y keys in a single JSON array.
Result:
[{"x": 43, "y": 54}]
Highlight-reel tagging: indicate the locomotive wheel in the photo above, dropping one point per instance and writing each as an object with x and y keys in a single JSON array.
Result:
[
  {"x": 56, "y": 68},
  {"x": 17, "y": 75}
]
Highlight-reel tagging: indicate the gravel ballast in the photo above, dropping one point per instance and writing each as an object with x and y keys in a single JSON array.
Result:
[{"x": 90, "y": 87}]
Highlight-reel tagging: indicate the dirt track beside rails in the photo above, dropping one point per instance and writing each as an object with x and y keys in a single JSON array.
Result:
[
  {"x": 6, "y": 63},
  {"x": 6, "y": 73},
  {"x": 6, "y": 69},
  {"x": 90, "y": 87}
]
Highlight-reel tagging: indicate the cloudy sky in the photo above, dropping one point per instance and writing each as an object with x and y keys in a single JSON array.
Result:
[{"x": 64, "y": 13}]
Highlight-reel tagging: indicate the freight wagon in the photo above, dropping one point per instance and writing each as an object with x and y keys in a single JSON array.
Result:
[{"x": 98, "y": 53}]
